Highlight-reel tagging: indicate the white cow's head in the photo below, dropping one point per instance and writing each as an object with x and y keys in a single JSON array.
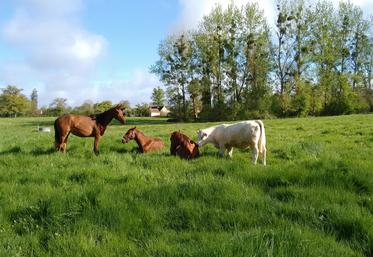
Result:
[{"x": 202, "y": 136}]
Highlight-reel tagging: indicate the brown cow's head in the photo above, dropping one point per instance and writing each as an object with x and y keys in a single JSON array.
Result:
[{"x": 130, "y": 134}]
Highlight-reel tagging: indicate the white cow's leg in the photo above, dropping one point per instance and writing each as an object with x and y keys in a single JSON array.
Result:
[
  {"x": 222, "y": 150},
  {"x": 264, "y": 154},
  {"x": 255, "y": 154},
  {"x": 230, "y": 151}
]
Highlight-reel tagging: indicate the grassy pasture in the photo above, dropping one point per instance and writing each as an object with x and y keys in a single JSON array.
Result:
[{"x": 313, "y": 199}]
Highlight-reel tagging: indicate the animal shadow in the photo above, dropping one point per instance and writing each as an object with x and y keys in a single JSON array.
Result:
[
  {"x": 13, "y": 150},
  {"x": 41, "y": 151}
]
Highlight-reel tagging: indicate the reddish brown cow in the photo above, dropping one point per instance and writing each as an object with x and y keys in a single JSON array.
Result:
[
  {"x": 146, "y": 144},
  {"x": 183, "y": 146}
]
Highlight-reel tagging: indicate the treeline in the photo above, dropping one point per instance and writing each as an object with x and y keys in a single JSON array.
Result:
[
  {"x": 15, "y": 104},
  {"x": 317, "y": 60}
]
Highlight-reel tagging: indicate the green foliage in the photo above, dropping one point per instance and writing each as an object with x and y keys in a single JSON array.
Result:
[
  {"x": 315, "y": 64},
  {"x": 87, "y": 108},
  {"x": 173, "y": 69},
  {"x": 57, "y": 107},
  {"x": 313, "y": 199},
  {"x": 301, "y": 101},
  {"x": 142, "y": 110},
  {"x": 13, "y": 103},
  {"x": 158, "y": 96},
  {"x": 102, "y": 106}
]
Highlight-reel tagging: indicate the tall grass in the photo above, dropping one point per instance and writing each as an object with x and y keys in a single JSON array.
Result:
[{"x": 313, "y": 199}]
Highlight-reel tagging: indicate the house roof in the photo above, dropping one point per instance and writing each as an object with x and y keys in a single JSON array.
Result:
[{"x": 155, "y": 108}]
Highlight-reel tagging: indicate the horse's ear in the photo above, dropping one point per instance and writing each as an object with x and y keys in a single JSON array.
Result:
[{"x": 119, "y": 106}]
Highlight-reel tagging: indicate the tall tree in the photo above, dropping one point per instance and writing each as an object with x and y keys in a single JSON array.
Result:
[
  {"x": 194, "y": 89},
  {"x": 257, "y": 62},
  {"x": 324, "y": 54},
  {"x": 158, "y": 96},
  {"x": 284, "y": 48},
  {"x": 34, "y": 102},
  {"x": 173, "y": 69}
]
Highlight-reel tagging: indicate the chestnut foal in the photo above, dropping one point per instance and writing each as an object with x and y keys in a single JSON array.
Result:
[{"x": 146, "y": 144}]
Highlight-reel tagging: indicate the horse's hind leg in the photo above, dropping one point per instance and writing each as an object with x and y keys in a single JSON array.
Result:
[
  {"x": 61, "y": 144},
  {"x": 65, "y": 142}
]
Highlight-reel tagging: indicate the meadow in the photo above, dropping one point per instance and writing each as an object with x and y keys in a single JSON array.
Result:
[{"x": 314, "y": 198}]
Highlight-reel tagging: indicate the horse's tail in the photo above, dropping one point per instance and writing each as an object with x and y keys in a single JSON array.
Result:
[
  {"x": 262, "y": 137},
  {"x": 57, "y": 133}
]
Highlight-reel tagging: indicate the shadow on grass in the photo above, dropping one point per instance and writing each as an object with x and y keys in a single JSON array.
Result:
[
  {"x": 119, "y": 149},
  {"x": 41, "y": 151},
  {"x": 13, "y": 150}
]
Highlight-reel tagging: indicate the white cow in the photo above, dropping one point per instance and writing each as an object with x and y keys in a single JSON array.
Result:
[{"x": 242, "y": 135}]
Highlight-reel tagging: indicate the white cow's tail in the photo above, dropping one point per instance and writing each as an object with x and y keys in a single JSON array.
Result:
[{"x": 262, "y": 138}]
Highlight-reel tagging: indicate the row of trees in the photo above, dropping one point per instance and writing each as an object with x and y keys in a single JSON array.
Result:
[
  {"x": 13, "y": 103},
  {"x": 318, "y": 60}
]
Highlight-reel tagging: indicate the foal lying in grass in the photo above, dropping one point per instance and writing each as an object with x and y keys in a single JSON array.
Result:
[{"x": 146, "y": 144}]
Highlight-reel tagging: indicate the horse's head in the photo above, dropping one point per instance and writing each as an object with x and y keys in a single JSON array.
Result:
[
  {"x": 119, "y": 113},
  {"x": 130, "y": 134}
]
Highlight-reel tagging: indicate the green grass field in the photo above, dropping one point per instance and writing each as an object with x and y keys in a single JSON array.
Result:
[{"x": 313, "y": 199}]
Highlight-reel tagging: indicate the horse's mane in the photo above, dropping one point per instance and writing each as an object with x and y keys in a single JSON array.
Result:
[{"x": 99, "y": 117}]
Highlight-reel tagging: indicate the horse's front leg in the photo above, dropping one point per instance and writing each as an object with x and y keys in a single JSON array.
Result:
[{"x": 96, "y": 144}]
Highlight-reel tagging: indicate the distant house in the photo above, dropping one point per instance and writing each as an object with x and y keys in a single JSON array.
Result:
[{"x": 158, "y": 111}]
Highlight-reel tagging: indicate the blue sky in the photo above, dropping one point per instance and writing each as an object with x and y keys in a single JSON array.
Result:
[{"x": 95, "y": 49}]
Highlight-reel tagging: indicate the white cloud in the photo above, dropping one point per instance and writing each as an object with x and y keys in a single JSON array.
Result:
[
  {"x": 138, "y": 88},
  {"x": 60, "y": 55}
]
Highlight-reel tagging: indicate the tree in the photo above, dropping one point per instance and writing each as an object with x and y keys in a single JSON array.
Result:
[
  {"x": 127, "y": 107},
  {"x": 58, "y": 106},
  {"x": 284, "y": 48},
  {"x": 87, "y": 108},
  {"x": 34, "y": 102},
  {"x": 13, "y": 102},
  {"x": 194, "y": 89},
  {"x": 158, "y": 96},
  {"x": 102, "y": 106},
  {"x": 173, "y": 69},
  {"x": 320, "y": 61},
  {"x": 142, "y": 110}
]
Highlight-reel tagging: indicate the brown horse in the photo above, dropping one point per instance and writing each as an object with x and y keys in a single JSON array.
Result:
[
  {"x": 84, "y": 126},
  {"x": 146, "y": 144}
]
